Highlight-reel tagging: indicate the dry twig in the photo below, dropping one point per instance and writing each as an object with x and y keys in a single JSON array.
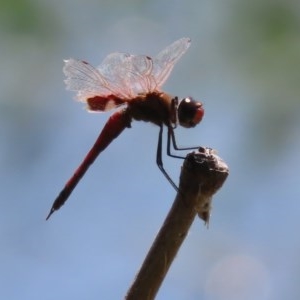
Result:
[{"x": 202, "y": 174}]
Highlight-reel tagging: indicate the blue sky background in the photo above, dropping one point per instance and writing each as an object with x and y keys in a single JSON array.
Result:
[{"x": 243, "y": 65}]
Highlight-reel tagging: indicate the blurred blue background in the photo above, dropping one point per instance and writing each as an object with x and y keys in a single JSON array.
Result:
[{"x": 243, "y": 65}]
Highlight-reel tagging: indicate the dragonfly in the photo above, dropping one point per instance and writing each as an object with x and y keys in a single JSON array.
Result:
[{"x": 133, "y": 83}]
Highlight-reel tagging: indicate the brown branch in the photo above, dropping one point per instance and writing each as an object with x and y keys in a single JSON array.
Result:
[{"x": 202, "y": 174}]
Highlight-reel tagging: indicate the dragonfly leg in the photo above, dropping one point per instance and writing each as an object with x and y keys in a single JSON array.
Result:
[
  {"x": 171, "y": 139},
  {"x": 159, "y": 161}
]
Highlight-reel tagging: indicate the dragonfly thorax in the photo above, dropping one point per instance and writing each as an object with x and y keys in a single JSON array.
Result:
[{"x": 154, "y": 107}]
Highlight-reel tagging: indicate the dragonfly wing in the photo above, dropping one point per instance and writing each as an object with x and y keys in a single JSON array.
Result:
[
  {"x": 141, "y": 74},
  {"x": 84, "y": 79},
  {"x": 121, "y": 75},
  {"x": 115, "y": 68},
  {"x": 129, "y": 74},
  {"x": 87, "y": 81},
  {"x": 164, "y": 62}
]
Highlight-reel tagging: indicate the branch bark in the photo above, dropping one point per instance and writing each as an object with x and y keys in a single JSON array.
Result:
[{"x": 202, "y": 174}]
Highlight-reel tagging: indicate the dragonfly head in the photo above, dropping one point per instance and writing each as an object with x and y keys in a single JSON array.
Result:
[{"x": 190, "y": 112}]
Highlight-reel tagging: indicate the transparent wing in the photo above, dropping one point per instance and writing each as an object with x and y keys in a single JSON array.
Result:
[
  {"x": 141, "y": 73},
  {"x": 164, "y": 62},
  {"x": 87, "y": 81},
  {"x": 123, "y": 75},
  {"x": 129, "y": 74}
]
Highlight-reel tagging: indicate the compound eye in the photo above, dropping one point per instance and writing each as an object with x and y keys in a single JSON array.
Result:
[{"x": 190, "y": 112}]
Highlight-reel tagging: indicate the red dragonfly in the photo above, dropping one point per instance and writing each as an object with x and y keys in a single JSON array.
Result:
[{"x": 132, "y": 81}]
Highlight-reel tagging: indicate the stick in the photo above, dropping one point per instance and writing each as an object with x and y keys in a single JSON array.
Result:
[{"x": 202, "y": 174}]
